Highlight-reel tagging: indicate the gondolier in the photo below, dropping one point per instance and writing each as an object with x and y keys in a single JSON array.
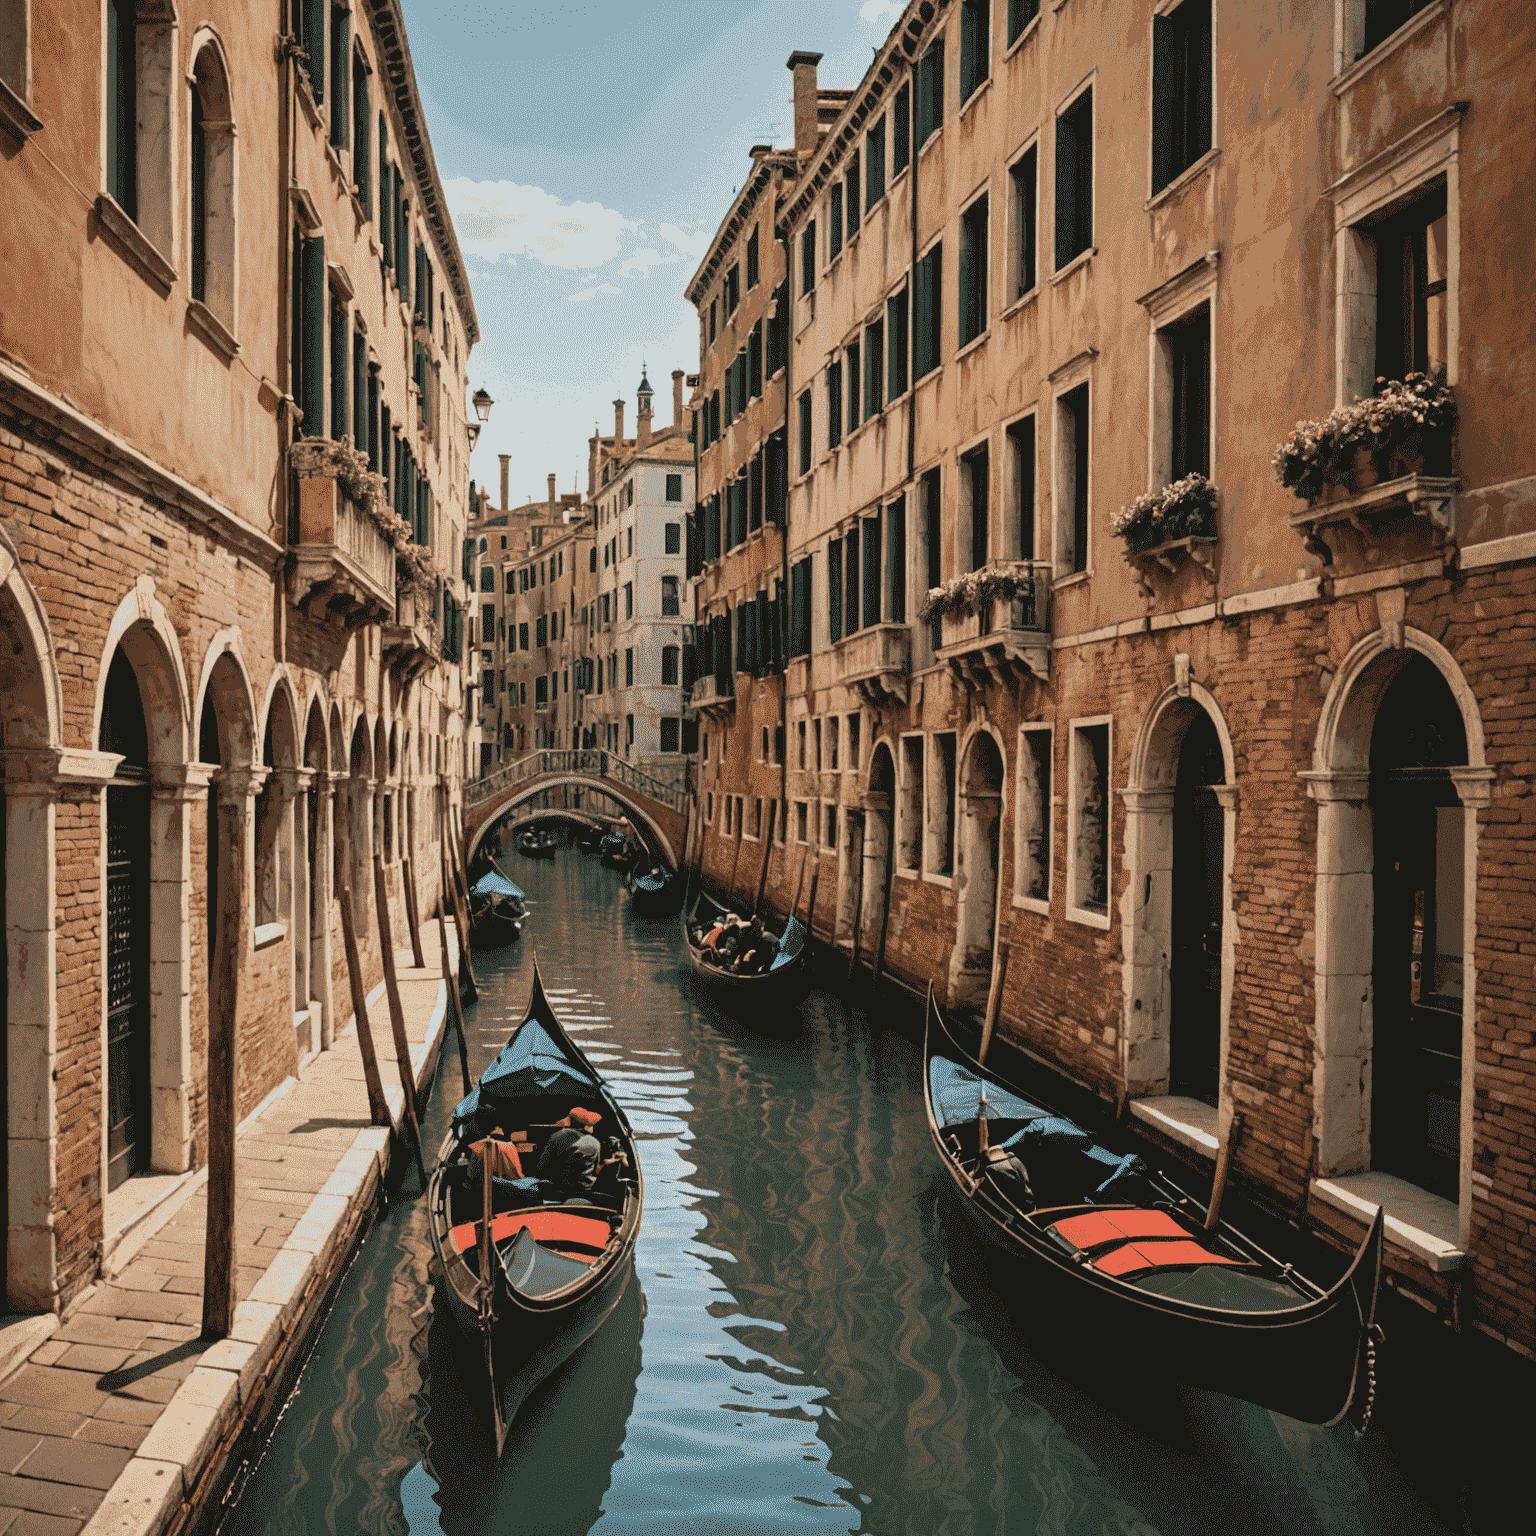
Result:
[{"x": 572, "y": 1157}]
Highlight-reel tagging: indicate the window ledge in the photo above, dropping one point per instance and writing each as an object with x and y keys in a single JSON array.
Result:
[
  {"x": 1423, "y": 1224},
  {"x": 1190, "y": 1122},
  {"x": 947, "y": 881},
  {"x": 16, "y": 115},
  {"x": 1022, "y": 302},
  {"x": 1060, "y": 583},
  {"x": 971, "y": 100},
  {"x": 133, "y": 244},
  {"x": 268, "y": 934},
  {"x": 1345, "y": 78},
  {"x": 1190, "y": 173},
  {"x": 1080, "y": 260},
  {"x": 211, "y": 329},
  {"x": 1038, "y": 904},
  {"x": 974, "y": 344},
  {"x": 1088, "y": 917},
  {"x": 932, "y": 139},
  {"x": 1032, "y": 27}
]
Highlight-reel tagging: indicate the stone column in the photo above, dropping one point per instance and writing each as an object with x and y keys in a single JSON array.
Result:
[{"x": 287, "y": 786}]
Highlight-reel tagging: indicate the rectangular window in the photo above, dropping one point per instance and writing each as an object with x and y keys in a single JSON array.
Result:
[
  {"x": 1088, "y": 816},
  {"x": 752, "y": 259},
  {"x": 670, "y": 607},
  {"x": 835, "y": 590},
  {"x": 834, "y": 734},
  {"x": 339, "y": 369},
  {"x": 973, "y": 271},
  {"x": 1032, "y": 832},
  {"x": 713, "y": 319},
  {"x": 851, "y": 201},
  {"x": 487, "y": 623},
  {"x": 976, "y": 477},
  {"x": 122, "y": 105},
  {"x": 933, "y": 542},
  {"x": 940, "y": 812},
  {"x": 930, "y": 93},
  {"x": 778, "y": 331},
  {"x": 670, "y": 655},
  {"x": 732, "y": 289},
  {"x": 674, "y": 487},
  {"x": 1073, "y": 427},
  {"x": 672, "y": 533},
  {"x": 909, "y": 820},
  {"x": 874, "y": 163},
  {"x": 901, "y": 130},
  {"x": 522, "y": 637},
  {"x": 975, "y": 45},
  {"x": 855, "y": 383},
  {"x": 1411, "y": 272},
  {"x": 872, "y": 570},
  {"x": 805, "y": 433},
  {"x": 851, "y": 582},
  {"x": 874, "y": 366},
  {"x": 1181, "y": 89},
  {"x": 629, "y": 666},
  {"x": 808, "y": 257},
  {"x": 896, "y": 345},
  {"x": 800, "y": 610},
  {"x": 1074, "y": 179},
  {"x": 834, "y": 220},
  {"x": 801, "y": 829},
  {"x": 928, "y": 312},
  {"x": 1384, "y": 17},
  {"x": 669, "y": 734},
  {"x": 1021, "y": 461},
  {"x": 896, "y": 560},
  {"x": 629, "y": 598},
  {"x": 1023, "y": 205},
  {"x": 1020, "y": 14},
  {"x": 854, "y": 722},
  {"x": 1184, "y": 349},
  {"x": 541, "y": 692},
  {"x": 834, "y": 404},
  {"x": 816, "y": 738},
  {"x": 830, "y": 840}
]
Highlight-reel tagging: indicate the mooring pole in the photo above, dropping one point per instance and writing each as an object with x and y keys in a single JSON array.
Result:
[
  {"x": 412, "y": 917},
  {"x": 450, "y": 980},
  {"x": 994, "y": 999},
  {"x": 378, "y": 1106},
  {"x": 397, "y": 1013},
  {"x": 762, "y": 874}
]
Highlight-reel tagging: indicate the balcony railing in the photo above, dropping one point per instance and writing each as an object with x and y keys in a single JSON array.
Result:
[
  {"x": 709, "y": 698},
  {"x": 878, "y": 661},
  {"x": 344, "y": 562},
  {"x": 993, "y": 640}
]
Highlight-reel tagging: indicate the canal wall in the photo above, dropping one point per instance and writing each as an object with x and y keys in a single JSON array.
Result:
[{"x": 125, "y": 1418}]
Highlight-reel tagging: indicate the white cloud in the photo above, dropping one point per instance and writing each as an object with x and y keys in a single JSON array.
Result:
[
  {"x": 880, "y": 13},
  {"x": 499, "y": 220},
  {"x": 693, "y": 245},
  {"x": 638, "y": 263},
  {"x": 588, "y": 294}
]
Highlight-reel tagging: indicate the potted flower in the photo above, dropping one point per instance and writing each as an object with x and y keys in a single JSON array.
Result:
[
  {"x": 1185, "y": 509},
  {"x": 975, "y": 590}
]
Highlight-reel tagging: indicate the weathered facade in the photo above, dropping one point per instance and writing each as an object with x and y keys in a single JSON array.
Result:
[
  {"x": 233, "y": 481},
  {"x": 1228, "y": 790}
]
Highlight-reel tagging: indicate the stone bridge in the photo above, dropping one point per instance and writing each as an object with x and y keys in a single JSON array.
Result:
[{"x": 655, "y": 805}]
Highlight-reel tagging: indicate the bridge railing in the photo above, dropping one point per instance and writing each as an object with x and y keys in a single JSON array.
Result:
[{"x": 670, "y": 788}]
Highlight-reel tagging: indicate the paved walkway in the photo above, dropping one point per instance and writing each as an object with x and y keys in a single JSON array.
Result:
[{"x": 115, "y": 1417}]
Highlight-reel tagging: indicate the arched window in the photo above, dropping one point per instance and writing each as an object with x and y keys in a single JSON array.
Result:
[{"x": 211, "y": 214}]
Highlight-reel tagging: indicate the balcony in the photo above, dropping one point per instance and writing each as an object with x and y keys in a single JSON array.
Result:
[
  {"x": 709, "y": 699},
  {"x": 878, "y": 661},
  {"x": 344, "y": 561},
  {"x": 413, "y": 642},
  {"x": 1003, "y": 638},
  {"x": 1431, "y": 497}
]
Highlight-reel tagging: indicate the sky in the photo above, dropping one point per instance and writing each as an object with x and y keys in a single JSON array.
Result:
[{"x": 589, "y": 149}]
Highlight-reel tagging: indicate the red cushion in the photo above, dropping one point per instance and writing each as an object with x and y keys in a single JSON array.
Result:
[
  {"x": 1097, "y": 1229},
  {"x": 543, "y": 1226},
  {"x": 1129, "y": 1259}
]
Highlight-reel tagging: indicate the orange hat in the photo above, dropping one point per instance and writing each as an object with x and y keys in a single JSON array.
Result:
[{"x": 584, "y": 1117}]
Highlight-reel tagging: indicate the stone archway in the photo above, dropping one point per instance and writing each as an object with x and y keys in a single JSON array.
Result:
[
  {"x": 1346, "y": 754},
  {"x": 281, "y": 872},
  {"x": 1181, "y": 814},
  {"x": 879, "y": 839},
  {"x": 977, "y": 868}
]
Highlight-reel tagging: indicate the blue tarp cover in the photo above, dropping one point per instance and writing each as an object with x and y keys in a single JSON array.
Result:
[
  {"x": 529, "y": 1066},
  {"x": 494, "y": 883},
  {"x": 956, "y": 1092}
]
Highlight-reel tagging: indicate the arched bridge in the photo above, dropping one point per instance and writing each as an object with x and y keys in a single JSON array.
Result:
[{"x": 657, "y": 806}]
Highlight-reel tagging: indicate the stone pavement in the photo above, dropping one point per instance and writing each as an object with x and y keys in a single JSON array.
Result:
[{"x": 113, "y": 1423}]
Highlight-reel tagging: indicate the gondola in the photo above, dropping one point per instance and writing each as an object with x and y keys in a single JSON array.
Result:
[
  {"x": 534, "y": 844},
  {"x": 616, "y": 851},
  {"x": 496, "y": 911},
  {"x": 654, "y": 892},
  {"x": 782, "y": 986},
  {"x": 1111, "y": 1251},
  {"x": 554, "y": 1272}
]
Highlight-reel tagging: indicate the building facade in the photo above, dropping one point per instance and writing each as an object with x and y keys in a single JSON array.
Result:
[
  {"x": 233, "y": 495},
  {"x": 1192, "y": 729}
]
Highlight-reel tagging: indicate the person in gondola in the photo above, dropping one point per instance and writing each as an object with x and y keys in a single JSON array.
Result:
[
  {"x": 497, "y": 1151},
  {"x": 572, "y": 1160},
  {"x": 757, "y": 950}
]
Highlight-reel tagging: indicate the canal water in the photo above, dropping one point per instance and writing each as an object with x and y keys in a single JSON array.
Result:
[{"x": 811, "y": 1342}]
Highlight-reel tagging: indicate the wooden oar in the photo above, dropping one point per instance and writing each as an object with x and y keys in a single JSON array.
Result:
[{"x": 1223, "y": 1168}]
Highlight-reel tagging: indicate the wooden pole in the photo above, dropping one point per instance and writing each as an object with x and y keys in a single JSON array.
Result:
[
  {"x": 223, "y": 1009},
  {"x": 858, "y": 904},
  {"x": 460, "y": 908},
  {"x": 412, "y": 917},
  {"x": 794, "y": 906},
  {"x": 397, "y": 1013},
  {"x": 1223, "y": 1168},
  {"x": 994, "y": 999},
  {"x": 448, "y": 976},
  {"x": 762, "y": 874},
  {"x": 810, "y": 910},
  {"x": 730, "y": 890},
  {"x": 885, "y": 910},
  {"x": 378, "y": 1106}
]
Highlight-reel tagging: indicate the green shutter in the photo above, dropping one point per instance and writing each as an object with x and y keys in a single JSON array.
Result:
[
  {"x": 835, "y": 589},
  {"x": 1163, "y": 105},
  {"x": 341, "y": 61},
  {"x": 312, "y": 335},
  {"x": 314, "y": 44}
]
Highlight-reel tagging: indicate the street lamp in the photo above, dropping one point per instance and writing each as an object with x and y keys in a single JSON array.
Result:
[{"x": 482, "y": 403}]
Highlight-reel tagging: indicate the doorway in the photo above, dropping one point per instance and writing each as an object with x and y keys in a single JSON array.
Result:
[
  {"x": 981, "y": 819},
  {"x": 1199, "y": 857}
]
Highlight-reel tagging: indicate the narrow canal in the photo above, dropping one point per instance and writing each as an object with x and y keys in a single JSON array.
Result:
[{"x": 811, "y": 1342}]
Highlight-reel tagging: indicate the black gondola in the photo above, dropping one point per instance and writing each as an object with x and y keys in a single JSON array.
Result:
[
  {"x": 655, "y": 892},
  {"x": 533, "y": 843},
  {"x": 1111, "y": 1249},
  {"x": 555, "y": 1271},
  {"x": 616, "y": 851},
  {"x": 782, "y": 986},
  {"x": 496, "y": 911}
]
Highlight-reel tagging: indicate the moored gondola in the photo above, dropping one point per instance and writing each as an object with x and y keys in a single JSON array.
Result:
[
  {"x": 1111, "y": 1250},
  {"x": 755, "y": 994},
  {"x": 496, "y": 911},
  {"x": 653, "y": 892},
  {"x": 530, "y": 1273},
  {"x": 534, "y": 843},
  {"x": 616, "y": 851}
]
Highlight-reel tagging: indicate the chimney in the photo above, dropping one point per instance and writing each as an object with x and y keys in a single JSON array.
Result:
[
  {"x": 506, "y": 470},
  {"x": 592, "y": 464},
  {"x": 807, "y": 132},
  {"x": 677, "y": 400},
  {"x": 618, "y": 427},
  {"x": 553, "y": 499},
  {"x": 643, "y": 423}
]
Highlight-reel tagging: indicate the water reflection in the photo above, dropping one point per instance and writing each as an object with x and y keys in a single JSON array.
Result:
[{"x": 825, "y": 1349}]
